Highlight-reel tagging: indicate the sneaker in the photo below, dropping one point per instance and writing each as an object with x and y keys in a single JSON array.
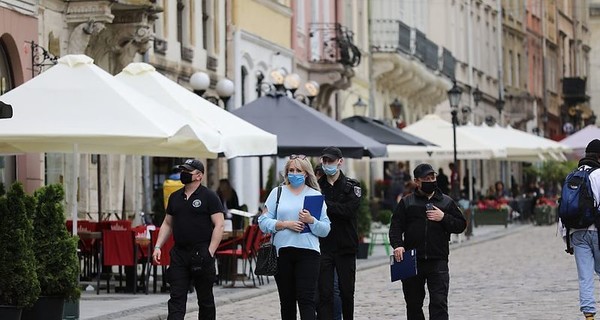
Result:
[{"x": 589, "y": 316}]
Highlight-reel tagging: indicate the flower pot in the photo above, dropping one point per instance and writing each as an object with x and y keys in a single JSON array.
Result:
[
  {"x": 47, "y": 308},
  {"x": 10, "y": 312},
  {"x": 491, "y": 217},
  {"x": 363, "y": 251},
  {"x": 71, "y": 310}
]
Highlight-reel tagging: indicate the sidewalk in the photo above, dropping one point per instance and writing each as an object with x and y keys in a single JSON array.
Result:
[{"x": 154, "y": 306}]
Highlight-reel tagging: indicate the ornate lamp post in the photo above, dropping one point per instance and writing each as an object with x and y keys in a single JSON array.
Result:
[
  {"x": 454, "y": 95},
  {"x": 359, "y": 107},
  {"x": 500, "y": 107}
]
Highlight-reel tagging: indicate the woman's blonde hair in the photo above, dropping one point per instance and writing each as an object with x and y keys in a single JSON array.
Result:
[{"x": 304, "y": 164}]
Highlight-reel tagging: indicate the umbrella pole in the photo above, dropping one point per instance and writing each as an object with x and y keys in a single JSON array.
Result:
[
  {"x": 74, "y": 187},
  {"x": 260, "y": 173},
  {"x": 99, "y": 174}
]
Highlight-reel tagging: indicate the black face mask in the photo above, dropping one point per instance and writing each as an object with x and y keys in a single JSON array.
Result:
[
  {"x": 185, "y": 177},
  {"x": 428, "y": 187}
]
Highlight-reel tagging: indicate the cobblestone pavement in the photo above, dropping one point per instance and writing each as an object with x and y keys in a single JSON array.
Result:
[{"x": 523, "y": 275}]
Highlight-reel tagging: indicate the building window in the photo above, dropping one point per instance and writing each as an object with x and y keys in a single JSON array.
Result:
[
  {"x": 244, "y": 84},
  {"x": 205, "y": 24},
  {"x": 180, "y": 7}
]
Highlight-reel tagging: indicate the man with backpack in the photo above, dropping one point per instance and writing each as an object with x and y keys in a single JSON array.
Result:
[{"x": 580, "y": 220}]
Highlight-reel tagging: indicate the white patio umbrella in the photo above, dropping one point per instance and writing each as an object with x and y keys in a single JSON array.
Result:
[
  {"x": 239, "y": 137},
  {"x": 77, "y": 107},
  {"x": 523, "y": 149},
  {"x": 468, "y": 146}
]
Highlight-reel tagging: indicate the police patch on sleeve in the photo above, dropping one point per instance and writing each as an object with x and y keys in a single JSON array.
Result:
[
  {"x": 197, "y": 203},
  {"x": 357, "y": 191}
]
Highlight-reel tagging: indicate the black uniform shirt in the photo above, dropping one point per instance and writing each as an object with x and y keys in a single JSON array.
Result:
[
  {"x": 342, "y": 199},
  {"x": 192, "y": 222}
]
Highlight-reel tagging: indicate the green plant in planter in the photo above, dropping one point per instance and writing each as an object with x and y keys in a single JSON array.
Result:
[
  {"x": 19, "y": 285},
  {"x": 364, "y": 214},
  {"x": 54, "y": 247},
  {"x": 385, "y": 216}
]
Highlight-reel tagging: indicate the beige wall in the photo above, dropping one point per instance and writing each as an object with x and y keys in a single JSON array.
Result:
[{"x": 272, "y": 21}]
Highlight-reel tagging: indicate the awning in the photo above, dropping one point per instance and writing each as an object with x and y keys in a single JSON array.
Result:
[
  {"x": 468, "y": 146},
  {"x": 579, "y": 140},
  {"x": 238, "y": 137},
  {"x": 303, "y": 130},
  {"x": 383, "y": 133}
]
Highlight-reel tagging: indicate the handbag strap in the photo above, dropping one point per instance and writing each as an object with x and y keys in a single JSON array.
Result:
[{"x": 276, "y": 207}]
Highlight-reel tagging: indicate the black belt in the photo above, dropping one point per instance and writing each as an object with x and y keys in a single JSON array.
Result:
[{"x": 190, "y": 247}]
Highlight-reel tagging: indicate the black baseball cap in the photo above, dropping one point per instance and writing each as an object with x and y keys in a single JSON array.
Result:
[
  {"x": 423, "y": 170},
  {"x": 192, "y": 164},
  {"x": 332, "y": 153}
]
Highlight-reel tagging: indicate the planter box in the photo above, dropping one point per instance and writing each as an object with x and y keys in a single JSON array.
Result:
[
  {"x": 490, "y": 217},
  {"x": 544, "y": 215}
]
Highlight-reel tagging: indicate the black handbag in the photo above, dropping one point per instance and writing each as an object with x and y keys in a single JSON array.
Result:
[{"x": 266, "y": 257}]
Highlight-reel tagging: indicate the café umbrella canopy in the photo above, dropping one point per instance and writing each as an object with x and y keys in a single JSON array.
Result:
[
  {"x": 76, "y": 106},
  {"x": 303, "y": 130},
  {"x": 76, "y": 102},
  {"x": 579, "y": 140},
  {"x": 468, "y": 146},
  {"x": 239, "y": 137}
]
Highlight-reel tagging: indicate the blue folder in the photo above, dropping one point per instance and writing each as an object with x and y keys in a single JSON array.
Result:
[
  {"x": 314, "y": 205},
  {"x": 406, "y": 268}
]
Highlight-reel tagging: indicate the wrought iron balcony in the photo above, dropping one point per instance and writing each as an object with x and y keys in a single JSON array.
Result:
[
  {"x": 333, "y": 43},
  {"x": 394, "y": 36}
]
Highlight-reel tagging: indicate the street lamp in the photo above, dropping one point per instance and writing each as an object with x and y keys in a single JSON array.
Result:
[
  {"x": 359, "y": 107},
  {"x": 200, "y": 82},
  {"x": 500, "y": 107},
  {"x": 396, "y": 108},
  {"x": 454, "y": 95},
  {"x": 477, "y": 96}
]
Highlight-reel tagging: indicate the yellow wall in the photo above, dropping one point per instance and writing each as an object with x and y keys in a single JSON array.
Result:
[{"x": 263, "y": 20}]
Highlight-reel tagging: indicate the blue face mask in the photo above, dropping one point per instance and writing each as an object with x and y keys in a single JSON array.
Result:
[
  {"x": 296, "y": 179},
  {"x": 330, "y": 169}
]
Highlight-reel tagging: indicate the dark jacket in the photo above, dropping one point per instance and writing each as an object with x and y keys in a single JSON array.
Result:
[
  {"x": 343, "y": 200},
  {"x": 410, "y": 227}
]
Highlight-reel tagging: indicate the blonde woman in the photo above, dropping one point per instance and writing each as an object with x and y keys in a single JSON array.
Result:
[{"x": 298, "y": 252}]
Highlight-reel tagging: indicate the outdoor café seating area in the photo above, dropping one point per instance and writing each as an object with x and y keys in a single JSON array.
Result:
[{"x": 117, "y": 257}]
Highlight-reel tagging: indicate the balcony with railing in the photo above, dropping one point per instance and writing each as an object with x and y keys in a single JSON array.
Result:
[
  {"x": 409, "y": 64},
  {"x": 393, "y": 36},
  {"x": 332, "y": 43}
]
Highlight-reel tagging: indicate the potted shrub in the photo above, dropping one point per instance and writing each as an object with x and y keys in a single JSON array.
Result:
[
  {"x": 363, "y": 223},
  {"x": 19, "y": 285},
  {"x": 56, "y": 252}
]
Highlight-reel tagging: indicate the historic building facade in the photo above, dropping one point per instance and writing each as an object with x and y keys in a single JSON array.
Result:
[{"x": 18, "y": 29}]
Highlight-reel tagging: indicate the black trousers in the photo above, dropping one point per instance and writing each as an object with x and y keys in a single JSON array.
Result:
[
  {"x": 435, "y": 274},
  {"x": 345, "y": 265},
  {"x": 297, "y": 282},
  {"x": 180, "y": 277}
]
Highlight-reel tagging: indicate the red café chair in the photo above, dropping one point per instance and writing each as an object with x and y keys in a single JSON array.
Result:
[
  {"x": 165, "y": 259},
  {"x": 243, "y": 251},
  {"x": 118, "y": 249}
]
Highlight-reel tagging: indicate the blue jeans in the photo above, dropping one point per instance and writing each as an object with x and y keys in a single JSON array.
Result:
[{"x": 587, "y": 258}]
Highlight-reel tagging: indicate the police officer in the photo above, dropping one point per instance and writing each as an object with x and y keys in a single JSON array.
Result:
[
  {"x": 195, "y": 216},
  {"x": 338, "y": 249}
]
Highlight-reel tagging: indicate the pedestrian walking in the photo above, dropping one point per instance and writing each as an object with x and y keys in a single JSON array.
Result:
[
  {"x": 584, "y": 241},
  {"x": 195, "y": 217},
  {"x": 424, "y": 221},
  {"x": 298, "y": 252},
  {"x": 338, "y": 249}
]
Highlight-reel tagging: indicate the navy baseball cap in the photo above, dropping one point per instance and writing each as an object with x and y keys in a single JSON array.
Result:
[
  {"x": 192, "y": 164},
  {"x": 332, "y": 153},
  {"x": 423, "y": 170}
]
